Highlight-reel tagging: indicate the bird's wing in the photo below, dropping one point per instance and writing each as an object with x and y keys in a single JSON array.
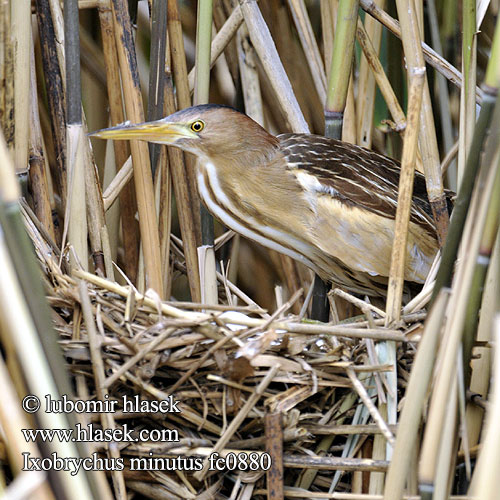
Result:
[{"x": 355, "y": 176}]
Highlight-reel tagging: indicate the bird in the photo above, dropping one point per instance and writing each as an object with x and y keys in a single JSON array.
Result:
[{"x": 328, "y": 204}]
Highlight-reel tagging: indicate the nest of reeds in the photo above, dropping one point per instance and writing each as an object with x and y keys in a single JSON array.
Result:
[{"x": 245, "y": 386}]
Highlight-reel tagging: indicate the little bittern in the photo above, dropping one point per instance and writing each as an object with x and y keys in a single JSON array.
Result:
[{"x": 328, "y": 204}]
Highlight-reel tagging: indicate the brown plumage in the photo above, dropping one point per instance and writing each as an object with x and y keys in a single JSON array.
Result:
[{"x": 326, "y": 203}]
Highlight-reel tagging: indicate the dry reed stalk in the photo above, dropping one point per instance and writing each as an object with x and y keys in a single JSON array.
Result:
[
  {"x": 467, "y": 91},
  {"x": 208, "y": 276},
  {"x": 377, "y": 479},
  {"x": 446, "y": 449},
  {"x": 160, "y": 88},
  {"x": 128, "y": 206},
  {"x": 335, "y": 463},
  {"x": 107, "y": 252},
  {"x": 250, "y": 82},
  {"x": 297, "y": 493},
  {"x": 268, "y": 55},
  {"x": 409, "y": 421},
  {"x": 223, "y": 10},
  {"x": 183, "y": 176},
  {"x": 382, "y": 81},
  {"x": 188, "y": 226},
  {"x": 449, "y": 159},
  {"x": 405, "y": 193},
  {"x": 328, "y": 21},
  {"x": 92, "y": 4},
  {"x": 165, "y": 193},
  {"x": 349, "y": 429},
  {"x": 309, "y": 45},
  {"x": 8, "y": 69},
  {"x": 20, "y": 32},
  {"x": 483, "y": 481},
  {"x": 165, "y": 218},
  {"x": 237, "y": 292},
  {"x": 89, "y": 197},
  {"x": 183, "y": 94},
  {"x": 107, "y": 419},
  {"x": 92, "y": 63},
  {"x": 38, "y": 177},
  {"x": 75, "y": 218},
  {"x": 119, "y": 181},
  {"x": 95, "y": 211},
  {"x": 180, "y": 184},
  {"x": 361, "y": 304},
  {"x": 412, "y": 47},
  {"x": 349, "y": 131},
  {"x": 364, "y": 396},
  {"x": 365, "y": 105},
  {"x": 481, "y": 365},
  {"x": 296, "y": 67},
  {"x": 4, "y": 48},
  {"x": 55, "y": 95},
  {"x": 443, "y": 95},
  {"x": 58, "y": 23},
  {"x": 157, "y": 76},
  {"x": 434, "y": 59},
  {"x": 148, "y": 224},
  {"x": 274, "y": 446}
]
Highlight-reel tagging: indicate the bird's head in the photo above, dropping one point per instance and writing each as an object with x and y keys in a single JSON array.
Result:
[{"x": 209, "y": 131}]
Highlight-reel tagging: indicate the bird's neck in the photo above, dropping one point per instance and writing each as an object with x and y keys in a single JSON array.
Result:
[{"x": 252, "y": 151}]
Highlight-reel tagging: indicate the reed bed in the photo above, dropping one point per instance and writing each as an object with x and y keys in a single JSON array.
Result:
[{"x": 119, "y": 289}]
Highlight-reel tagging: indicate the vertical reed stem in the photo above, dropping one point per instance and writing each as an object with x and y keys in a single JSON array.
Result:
[
  {"x": 340, "y": 67},
  {"x": 142, "y": 168},
  {"x": 412, "y": 46},
  {"x": 467, "y": 92},
  {"x": 21, "y": 41},
  {"x": 405, "y": 192},
  {"x": 128, "y": 205},
  {"x": 55, "y": 95}
]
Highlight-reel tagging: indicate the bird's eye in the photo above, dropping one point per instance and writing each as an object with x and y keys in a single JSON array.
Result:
[{"x": 197, "y": 126}]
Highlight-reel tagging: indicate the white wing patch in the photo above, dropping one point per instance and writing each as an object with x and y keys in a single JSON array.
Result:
[{"x": 312, "y": 187}]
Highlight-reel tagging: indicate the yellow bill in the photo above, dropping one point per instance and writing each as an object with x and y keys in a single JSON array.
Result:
[{"x": 160, "y": 131}]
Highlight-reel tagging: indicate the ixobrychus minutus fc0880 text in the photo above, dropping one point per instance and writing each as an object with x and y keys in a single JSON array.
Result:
[{"x": 328, "y": 204}]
